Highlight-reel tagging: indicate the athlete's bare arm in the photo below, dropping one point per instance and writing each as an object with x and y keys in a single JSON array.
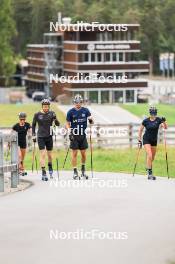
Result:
[
  {"x": 68, "y": 125},
  {"x": 140, "y": 132},
  {"x": 164, "y": 125}
]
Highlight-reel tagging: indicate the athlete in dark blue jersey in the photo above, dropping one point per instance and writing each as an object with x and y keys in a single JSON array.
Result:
[
  {"x": 151, "y": 125},
  {"x": 76, "y": 124}
]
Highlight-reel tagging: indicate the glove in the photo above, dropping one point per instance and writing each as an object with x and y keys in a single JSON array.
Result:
[
  {"x": 71, "y": 136},
  {"x": 34, "y": 139},
  {"x": 90, "y": 121},
  {"x": 57, "y": 123},
  {"x": 163, "y": 119},
  {"x": 139, "y": 144}
]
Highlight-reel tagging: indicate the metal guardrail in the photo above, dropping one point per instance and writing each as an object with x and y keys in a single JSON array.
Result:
[
  {"x": 128, "y": 139},
  {"x": 11, "y": 166}
]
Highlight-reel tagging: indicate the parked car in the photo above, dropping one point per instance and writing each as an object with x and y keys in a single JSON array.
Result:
[
  {"x": 15, "y": 97},
  {"x": 38, "y": 96}
]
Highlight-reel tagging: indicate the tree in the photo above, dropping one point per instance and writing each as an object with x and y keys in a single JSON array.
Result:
[
  {"x": 23, "y": 17},
  {"x": 7, "y": 31},
  {"x": 43, "y": 11},
  {"x": 168, "y": 16},
  {"x": 151, "y": 31}
]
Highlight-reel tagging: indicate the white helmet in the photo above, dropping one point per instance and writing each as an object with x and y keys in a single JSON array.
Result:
[{"x": 78, "y": 99}]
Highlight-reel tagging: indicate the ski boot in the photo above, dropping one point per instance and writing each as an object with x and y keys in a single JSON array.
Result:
[
  {"x": 44, "y": 175},
  {"x": 150, "y": 175},
  {"x": 83, "y": 175},
  {"x": 20, "y": 173},
  {"x": 83, "y": 172},
  {"x": 50, "y": 170},
  {"x": 75, "y": 175}
]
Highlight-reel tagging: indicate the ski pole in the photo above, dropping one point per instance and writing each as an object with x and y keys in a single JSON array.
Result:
[
  {"x": 137, "y": 157},
  {"x": 56, "y": 157},
  {"x": 33, "y": 156},
  {"x": 166, "y": 154},
  {"x": 66, "y": 156},
  {"x": 91, "y": 152},
  {"x": 57, "y": 168},
  {"x": 36, "y": 163}
]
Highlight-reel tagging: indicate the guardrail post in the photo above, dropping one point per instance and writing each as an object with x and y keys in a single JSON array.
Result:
[
  {"x": 98, "y": 137},
  {"x": 1, "y": 163},
  {"x": 14, "y": 160},
  {"x": 130, "y": 135}
]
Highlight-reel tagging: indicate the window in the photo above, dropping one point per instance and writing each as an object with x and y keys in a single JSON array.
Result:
[
  {"x": 104, "y": 97},
  {"x": 107, "y": 56},
  {"x": 93, "y": 96},
  {"x": 120, "y": 56},
  {"x": 92, "y": 57},
  {"x": 118, "y": 97},
  {"x": 86, "y": 57},
  {"x": 129, "y": 96},
  {"x": 114, "y": 56},
  {"x": 99, "y": 57}
]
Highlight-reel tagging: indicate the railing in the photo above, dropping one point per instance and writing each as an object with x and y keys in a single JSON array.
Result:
[
  {"x": 125, "y": 135},
  {"x": 11, "y": 166},
  {"x": 111, "y": 136}
]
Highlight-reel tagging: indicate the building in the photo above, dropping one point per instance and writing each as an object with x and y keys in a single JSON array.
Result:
[{"x": 96, "y": 55}]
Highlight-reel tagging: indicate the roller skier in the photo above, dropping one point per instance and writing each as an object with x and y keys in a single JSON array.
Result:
[
  {"x": 151, "y": 125},
  {"x": 23, "y": 128},
  {"x": 45, "y": 119},
  {"x": 77, "y": 118}
]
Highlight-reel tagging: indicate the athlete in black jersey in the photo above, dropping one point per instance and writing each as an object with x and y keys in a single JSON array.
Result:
[
  {"x": 45, "y": 119},
  {"x": 151, "y": 125},
  {"x": 22, "y": 128}
]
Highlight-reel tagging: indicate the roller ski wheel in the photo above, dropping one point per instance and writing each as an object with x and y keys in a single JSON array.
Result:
[
  {"x": 44, "y": 176},
  {"x": 24, "y": 173},
  {"x": 51, "y": 174},
  {"x": 84, "y": 176},
  {"x": 151, "y": 177},
  {"x": 75, "y": 176},
  {"x": 21, "y": 173}
]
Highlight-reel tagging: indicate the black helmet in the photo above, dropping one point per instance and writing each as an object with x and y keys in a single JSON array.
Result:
[
  {"x": 153, "y": 110},
  {"x": 22, "y": 115},
  {"x": 78, "y": 99},
  {"x": 45, "y": 102}
]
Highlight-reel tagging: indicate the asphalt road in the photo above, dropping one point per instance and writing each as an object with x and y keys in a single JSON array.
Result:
[
  {"x": 107, "y": 114},
  {"x": 141, "y": 212}
]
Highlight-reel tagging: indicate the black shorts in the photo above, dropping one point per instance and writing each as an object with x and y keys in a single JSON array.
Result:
[
  {"x": 153, "y": 143},
  {"x": 22, "y": 144},
  {"x": 79, "y": 142},
  {"x": 45, "y": 142}
]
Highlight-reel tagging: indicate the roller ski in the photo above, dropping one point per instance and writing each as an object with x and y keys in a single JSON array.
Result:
[
  {"x": 150, "y": 175},
  {"x": 22, "y": 173},
  {"x": 75, "y": 175},
  {"x": 83, "y": 173},
  {"x": 44, "y": 175},
  {"x": 50, "y": 171}
]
